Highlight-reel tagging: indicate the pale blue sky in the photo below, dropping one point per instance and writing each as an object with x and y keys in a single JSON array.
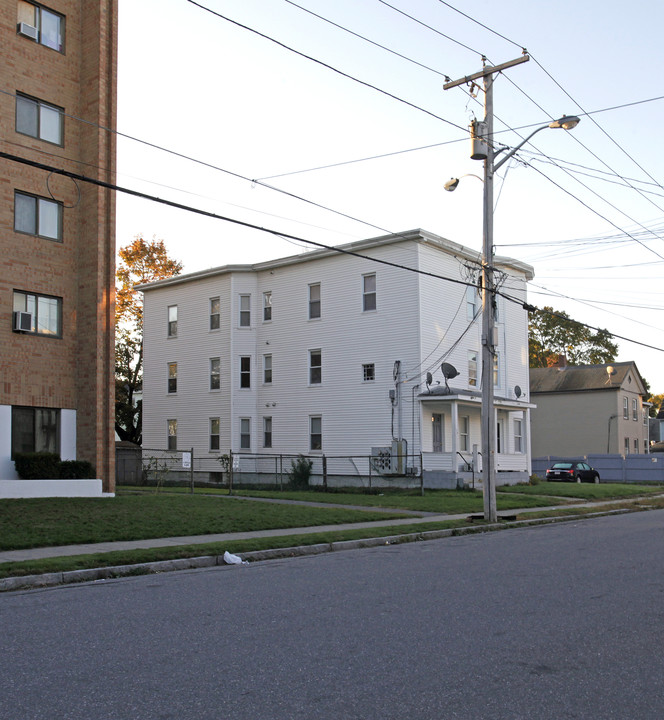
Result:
[{"x": 203, "y": 87}]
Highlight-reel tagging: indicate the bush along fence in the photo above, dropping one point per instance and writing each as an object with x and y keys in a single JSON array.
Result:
[
  {"x": 156, "y": 467},
  {"x": 637, "y": 469}
]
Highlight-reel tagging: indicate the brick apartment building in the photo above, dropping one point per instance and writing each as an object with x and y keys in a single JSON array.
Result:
[{"x": 58, "y": 64}]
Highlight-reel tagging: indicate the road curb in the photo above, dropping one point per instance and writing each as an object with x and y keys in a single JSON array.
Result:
[{"x": 68, "y": 577}]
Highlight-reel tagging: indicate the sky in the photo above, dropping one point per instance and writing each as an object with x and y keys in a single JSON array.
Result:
[{"x": 328, "y": 121}]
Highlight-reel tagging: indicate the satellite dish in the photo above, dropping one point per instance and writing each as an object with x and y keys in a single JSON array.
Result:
[
  {"x": 429, "y": 379},
  {"x": 517, "y": 391},
  {"x": 449, "y": 371}
]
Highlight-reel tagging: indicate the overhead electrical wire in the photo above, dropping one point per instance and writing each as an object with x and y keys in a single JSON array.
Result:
[{"x": 111, "y": 186}]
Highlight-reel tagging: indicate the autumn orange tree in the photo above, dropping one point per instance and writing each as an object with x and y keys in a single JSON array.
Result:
[{"x": 139, "y": 262}]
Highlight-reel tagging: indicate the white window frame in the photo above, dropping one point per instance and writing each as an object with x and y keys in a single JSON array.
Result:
[
  {"x": 215, "y": 374},
  {"x": 472, "y": 302},
  {"x": 44, "y": 113},
  {"x": 314, "y": 302},
  {"x": 315, "y": 370},
  {"x": 267, "y": 306},
  {"x": 518, "y": 436},
  {"x": 464, "y": 433},
  {"x": 316, "y": 433},
  {"x": 172, "y": 324},
  {"x": 245, "y": 372},
  {"x": 635, "y": 412},
  {"x": 267, "y": 369},
  {"x": 473, "y": 368},
  {"x": 245, "y": 433},
  {"x": 172, "y": 385},
  {"x": 369, "y": 293},
  {"x": 215, "y": 434},
  {"x": 267, "y": 431},
  {"x": 244, "y": 310},
  {"x": 172, "y": 434},
  {"x": 625, "y": 407},
  {"x": 215, "y": 313}
]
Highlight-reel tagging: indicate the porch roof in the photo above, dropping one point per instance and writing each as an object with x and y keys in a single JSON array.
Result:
[{"x": 471, "y": 397}]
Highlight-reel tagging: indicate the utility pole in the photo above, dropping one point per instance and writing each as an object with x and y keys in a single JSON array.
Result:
[
  {"x": 482, "y": 134},
  {"x": 488, "y": 288}
]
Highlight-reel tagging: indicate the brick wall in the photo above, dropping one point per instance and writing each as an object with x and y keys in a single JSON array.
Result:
[{"x": 75, "y": 371}]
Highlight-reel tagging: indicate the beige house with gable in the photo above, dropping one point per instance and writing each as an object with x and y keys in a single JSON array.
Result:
[{"x": 588, "y": 409}]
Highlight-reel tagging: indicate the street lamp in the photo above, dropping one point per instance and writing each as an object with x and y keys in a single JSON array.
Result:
[{"x": 482, "y": 134}]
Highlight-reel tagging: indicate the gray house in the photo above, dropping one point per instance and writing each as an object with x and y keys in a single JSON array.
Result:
[{"x": 588, "y": 409}]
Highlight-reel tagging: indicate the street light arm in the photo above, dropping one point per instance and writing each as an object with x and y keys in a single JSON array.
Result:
[
  {"x": 517, "y": 148},
  {"x": 565, "y": 122}
]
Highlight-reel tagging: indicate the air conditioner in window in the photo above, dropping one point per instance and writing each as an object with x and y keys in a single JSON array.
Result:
[
  {"x": 22, "y": 321},
  {"x": 28, "y": 31}
]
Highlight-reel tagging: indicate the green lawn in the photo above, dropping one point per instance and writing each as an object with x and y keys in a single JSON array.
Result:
[
  {"x": 583, "y": 491},
  {"x": 451, "y": 502},
  {"x": 45, "y": 522}
]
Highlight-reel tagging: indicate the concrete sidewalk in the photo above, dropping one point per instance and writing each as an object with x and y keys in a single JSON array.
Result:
[{"x": 93, "y": 548}]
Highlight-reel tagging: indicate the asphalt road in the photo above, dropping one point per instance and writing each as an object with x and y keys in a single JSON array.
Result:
[{"x": 557, "y": 621}]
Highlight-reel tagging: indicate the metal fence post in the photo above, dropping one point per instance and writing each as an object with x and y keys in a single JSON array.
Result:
[
  {"x": 230, "y": 472},
  {"x": 324, "y": 473},
  {"x": 281, "y": 472},
  {"x": 191, "y": 471},
  {"x": 421, "y": 476}
]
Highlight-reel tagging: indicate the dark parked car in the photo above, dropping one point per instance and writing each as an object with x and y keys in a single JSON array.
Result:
[{"x": 574, "y": 471}]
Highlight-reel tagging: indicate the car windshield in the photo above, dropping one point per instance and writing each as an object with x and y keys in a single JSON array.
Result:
[{"x": 562, "y": 466}]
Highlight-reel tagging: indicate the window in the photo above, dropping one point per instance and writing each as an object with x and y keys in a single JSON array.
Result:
[
  {"x": 636, "y": 447},
  {"x": 625, "y": 408},
  {"x": 496, "y": 370},
  {"x": 635, "y": 412},
  {"x": 41, "y": 25},
  {"x": 46, "y": 312},
  {"x": 172, "y": 434},
  {"x": 267, "y": 432},
  {"x": 314, "y": 301},
  {"x": 267, "y": 306},
  {"x": 245, "y": 372},
  {"x": 267, "y": 369},
  {"x": 39, "y": 119},
  {"x": 368, "y": 292},
  {"x": 472, "y": 368},
  {"x": 37, "y": 216},
  {"x": 315, "y": 367},
  {"x": 464, "y": 432},
  {"x": 215, "y": 313},
  {"x": 214, "y": 433},
  {"x": 368, "y": 372},
  {"x": 35, "y": 429},
  {"x": 472, "y": 302},
  {"x": 215, "y": 373},
  {"x": 316, "y": 433},
  {"x": 172, "y": 377},
  {"x": 245, "y": 310},
  {"x": 518, "y": 436},
  {"x": 626, "y": 446},
  {"x": 245, "y": 433},
  {"x": 172, "y": 320}
]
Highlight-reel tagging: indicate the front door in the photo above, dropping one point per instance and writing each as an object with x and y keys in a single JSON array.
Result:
[{"x": 437, "y": 421}]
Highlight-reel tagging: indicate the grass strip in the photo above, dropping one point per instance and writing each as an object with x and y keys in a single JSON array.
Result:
[
  {"x": 131, "y": 557},
  {"x": 48, "y": 522},
  {"x": 581, "y": 491}
]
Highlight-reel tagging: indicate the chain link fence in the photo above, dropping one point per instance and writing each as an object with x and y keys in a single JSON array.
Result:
[{"x": 158, "y": 467}]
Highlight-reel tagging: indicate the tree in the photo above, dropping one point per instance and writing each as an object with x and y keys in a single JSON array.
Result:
[
  {"x": 657, "y": 403},
  {"x": 552, "y": 333},
  {"x": 140, "y": 262}
]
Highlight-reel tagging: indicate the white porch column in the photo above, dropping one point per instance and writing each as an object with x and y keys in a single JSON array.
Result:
[
  {"x": 454, "y": 414},
  {"x": 526, "y": 440}
]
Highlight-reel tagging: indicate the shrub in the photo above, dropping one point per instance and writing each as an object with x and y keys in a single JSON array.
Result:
[
  {"x": 37, "y": 465},
  {"x": 77, "y": 469},
  {"x": 300, "y": 472}
]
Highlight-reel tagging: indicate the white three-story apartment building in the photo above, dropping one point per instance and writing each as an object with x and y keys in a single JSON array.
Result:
[{"x": 337, "y": 353}]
